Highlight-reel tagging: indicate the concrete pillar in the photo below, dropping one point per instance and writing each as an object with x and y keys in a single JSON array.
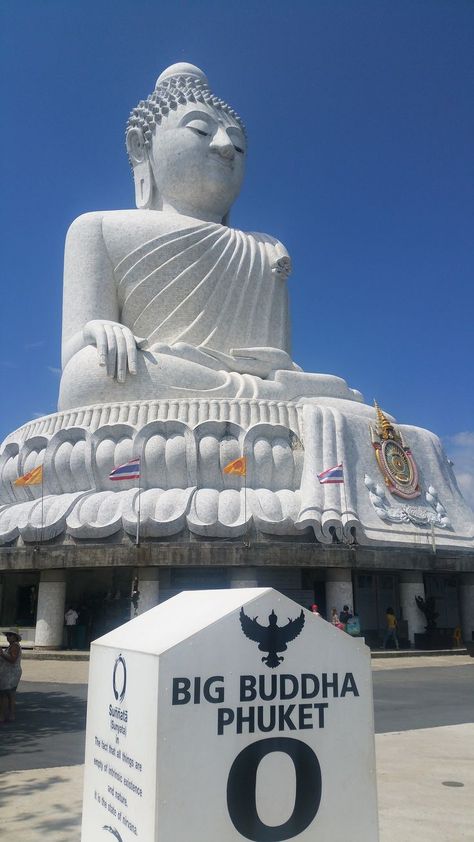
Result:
[
  {"x": 338, "y": 589},
  {"x": 412, "y": 585},
  {"x": 149, "y": 587},
  {"x": 243, "y": 577},
  {"x": 466, "y": 594},
  {"x": 50, "y": 611}
]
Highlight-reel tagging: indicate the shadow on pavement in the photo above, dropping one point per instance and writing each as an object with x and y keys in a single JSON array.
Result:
[
  {"x": 60, "y": 815},
  {"x": 49, "y": 728}
]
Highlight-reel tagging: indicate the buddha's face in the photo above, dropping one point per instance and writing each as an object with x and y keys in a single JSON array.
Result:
[{"x": 197, "y": 158}]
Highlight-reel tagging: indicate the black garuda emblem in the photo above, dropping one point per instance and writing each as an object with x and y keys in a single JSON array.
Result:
[{"x": 271, "y": 638}]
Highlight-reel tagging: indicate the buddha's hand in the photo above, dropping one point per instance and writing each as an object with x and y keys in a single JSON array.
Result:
[{"x": 116, "y": 346}]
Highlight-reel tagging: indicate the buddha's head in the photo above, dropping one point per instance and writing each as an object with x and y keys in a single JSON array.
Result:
[{"x": 187, "y": 147}]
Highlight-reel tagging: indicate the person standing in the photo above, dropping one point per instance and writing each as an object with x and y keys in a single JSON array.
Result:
[
  {"x": 391, "y": 629},
  {"x": 335, "y": 620},
  {"x": 135, "y": 596},
  {"x": 10, "y": 674},
  {"x": 70, "y": 618},
  {"x": 345, "y": 615}
]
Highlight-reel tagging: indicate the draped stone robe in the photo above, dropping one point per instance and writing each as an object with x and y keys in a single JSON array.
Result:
[
  {"x": 207, "y": 285},
  {"x": 210, "y": 303}
]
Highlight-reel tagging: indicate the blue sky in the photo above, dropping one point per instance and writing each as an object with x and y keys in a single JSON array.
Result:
[{"x": 360, "y": 115}]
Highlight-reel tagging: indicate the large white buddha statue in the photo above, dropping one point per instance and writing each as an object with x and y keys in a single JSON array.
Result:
[
  {"x": 168, "y": 300},
  {"x": 176, "y": 353}
]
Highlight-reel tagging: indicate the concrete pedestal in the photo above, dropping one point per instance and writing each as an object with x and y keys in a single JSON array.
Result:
[
  {"x": 412, "y": 585},
  {"x": 466, "y": 598},
  {"x": 338, "y": 589},
  {"x": 50, "y": 612}
]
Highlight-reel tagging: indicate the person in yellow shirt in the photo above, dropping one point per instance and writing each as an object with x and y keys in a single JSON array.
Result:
[{"x": 391, "y": 629}]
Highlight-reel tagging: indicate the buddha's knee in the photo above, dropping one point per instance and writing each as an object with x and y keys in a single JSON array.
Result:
[{"x": 84, "y": 382}]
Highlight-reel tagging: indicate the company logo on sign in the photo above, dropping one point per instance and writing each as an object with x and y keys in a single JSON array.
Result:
[
  {"x": 271, "y": 638},
  {"x": 119, "y": 679}
]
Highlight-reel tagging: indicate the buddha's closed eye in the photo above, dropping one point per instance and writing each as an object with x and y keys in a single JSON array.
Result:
[{"x": 199, "y": 127}]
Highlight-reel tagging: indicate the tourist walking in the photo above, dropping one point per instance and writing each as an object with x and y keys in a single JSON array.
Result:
[
  {"x": 391, "y": 629},
  {"x": 10, "y": 674}
]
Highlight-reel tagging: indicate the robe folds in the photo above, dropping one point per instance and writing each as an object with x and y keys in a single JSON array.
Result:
[
  {"x": 206, "y": 285},
  {"x": 208, "y": 306}
]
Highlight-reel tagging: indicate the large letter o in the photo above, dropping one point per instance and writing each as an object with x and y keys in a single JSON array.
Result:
[{"x": 241, "y": 790}]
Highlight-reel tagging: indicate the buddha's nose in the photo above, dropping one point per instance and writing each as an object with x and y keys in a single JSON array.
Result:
[{"x": 222, "y": 144}]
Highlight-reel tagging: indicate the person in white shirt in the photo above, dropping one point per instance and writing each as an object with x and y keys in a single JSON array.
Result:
[{"x": 71, "y": 617}]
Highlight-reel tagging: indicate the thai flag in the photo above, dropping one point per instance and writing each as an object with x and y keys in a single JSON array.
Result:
[
  {"x": 131, "y": 470},
  {"x": 335, "y": 475}
]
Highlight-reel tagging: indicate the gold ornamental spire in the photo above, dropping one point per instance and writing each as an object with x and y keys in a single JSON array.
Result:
[{"x": 383, "y": 424}]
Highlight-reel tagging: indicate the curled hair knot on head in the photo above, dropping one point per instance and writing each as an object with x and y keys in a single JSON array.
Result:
[{"x": 171, "y": 91}]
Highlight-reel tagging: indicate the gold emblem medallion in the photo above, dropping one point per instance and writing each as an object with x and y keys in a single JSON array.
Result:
[{"x": 394, "y": 458}]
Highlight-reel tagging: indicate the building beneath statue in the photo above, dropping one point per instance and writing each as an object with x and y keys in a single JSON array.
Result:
[
  {"x": 379, "y": 538},
  {"x": 177, "y": 359},
  {"x": 97, "y": 579}
]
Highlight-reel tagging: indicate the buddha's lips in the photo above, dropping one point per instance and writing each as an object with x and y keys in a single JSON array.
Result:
[{"x": 224, "y": 162}]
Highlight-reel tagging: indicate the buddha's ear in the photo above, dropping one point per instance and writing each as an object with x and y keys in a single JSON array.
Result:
[{"x": 142, "y": 174}]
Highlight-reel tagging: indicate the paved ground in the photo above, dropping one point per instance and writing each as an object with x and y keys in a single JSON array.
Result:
[
  {"x": 425, "y": 751},
  {"x": 427, "y": 697},
  {"x": 425, "y": 781},
  {"x": 49, "y": 730}
]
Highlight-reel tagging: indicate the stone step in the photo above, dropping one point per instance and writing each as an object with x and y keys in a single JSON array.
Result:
[{"x": 83, "y": 655}]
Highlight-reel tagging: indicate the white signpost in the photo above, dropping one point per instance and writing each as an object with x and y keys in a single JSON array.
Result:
[{"x": 227, "y": 715}]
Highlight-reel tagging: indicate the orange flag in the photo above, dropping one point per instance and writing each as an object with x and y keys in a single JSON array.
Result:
[
  {"x": 34, "y": 477},
  {"x": 238, "y": 466}
]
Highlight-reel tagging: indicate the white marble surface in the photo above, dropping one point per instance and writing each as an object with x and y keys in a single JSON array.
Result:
[
  {"x": 183, "y": 485},
  {"x": 168, "y": 300}
]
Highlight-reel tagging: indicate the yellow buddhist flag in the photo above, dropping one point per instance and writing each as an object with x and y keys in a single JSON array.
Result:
[
  {"x": 238, "y": 466},
  {"x": 34, "y": 477}
]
